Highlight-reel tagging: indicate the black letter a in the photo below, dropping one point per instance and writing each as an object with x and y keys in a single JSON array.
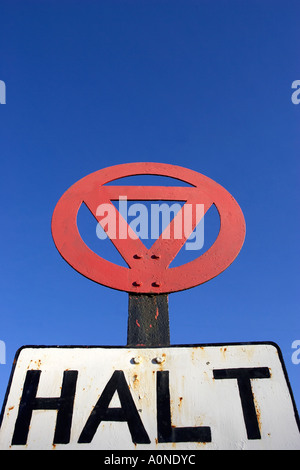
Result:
[{"x": 127, "y": 412}]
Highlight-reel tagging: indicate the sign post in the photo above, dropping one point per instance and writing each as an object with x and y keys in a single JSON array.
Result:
[
  {"x": 149, "y": 395},
  {"x": 148, "y": 320}
]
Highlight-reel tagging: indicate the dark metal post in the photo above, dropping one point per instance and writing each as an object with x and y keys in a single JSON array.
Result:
[{"x": 148, "y": 320}]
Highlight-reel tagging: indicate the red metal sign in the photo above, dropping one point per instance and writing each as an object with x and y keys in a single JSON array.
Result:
[{"x": 148, "y": 269}]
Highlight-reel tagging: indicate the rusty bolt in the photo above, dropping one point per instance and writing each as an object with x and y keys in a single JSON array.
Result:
[
  {"x": 160, "y": 359},
  {"x": 137, "y": 360}
]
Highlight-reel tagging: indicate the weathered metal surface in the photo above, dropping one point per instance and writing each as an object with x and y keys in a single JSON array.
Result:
[
  {"x": 202, "y": 397},
  {"x": 148, "y": 270},
  {"x": 148, "y": 320}
]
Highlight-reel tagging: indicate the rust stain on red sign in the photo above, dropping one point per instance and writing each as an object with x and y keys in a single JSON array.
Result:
[{"x": 148, "y": 269}]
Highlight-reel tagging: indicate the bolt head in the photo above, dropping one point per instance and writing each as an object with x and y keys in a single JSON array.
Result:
[
  {"x": 160, "y": 359},
  {"x": 137, "y": 360},
  {"x": 156, "y": 284}
]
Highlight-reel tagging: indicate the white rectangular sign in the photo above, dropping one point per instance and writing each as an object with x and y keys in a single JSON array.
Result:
[{"x": 234, "y": 396}]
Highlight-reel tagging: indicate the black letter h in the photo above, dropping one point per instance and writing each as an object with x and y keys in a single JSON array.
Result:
[{"x": 29, "y": 402}]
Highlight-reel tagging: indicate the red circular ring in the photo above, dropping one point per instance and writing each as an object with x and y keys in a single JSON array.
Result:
[{"x": 140, "y": 278}]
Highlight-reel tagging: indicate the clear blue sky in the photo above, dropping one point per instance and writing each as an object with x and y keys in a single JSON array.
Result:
[{"x": 198, "y": 83}]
